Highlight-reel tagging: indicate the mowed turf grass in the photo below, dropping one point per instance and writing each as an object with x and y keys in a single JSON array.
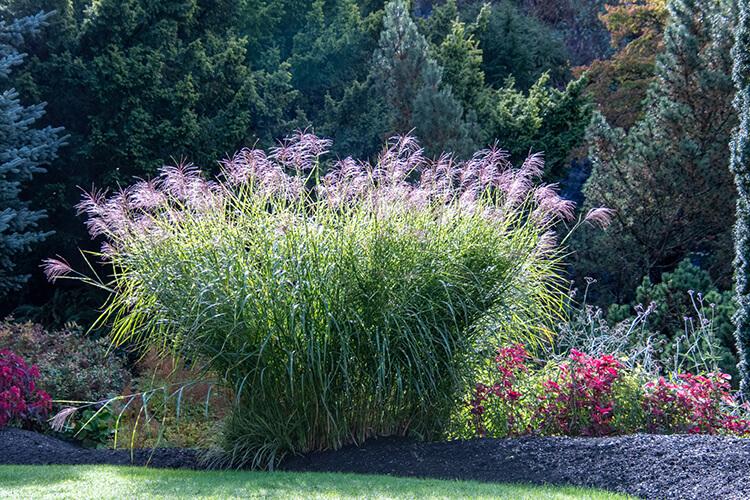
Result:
[{"x": 105, "y": 482}]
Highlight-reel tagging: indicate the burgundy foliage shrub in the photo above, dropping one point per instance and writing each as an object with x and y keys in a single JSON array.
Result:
[
  {"x": 581, "y": 401},
  {"x": 18, "y": 401},
  {"x": 692, "y": 405},
  {"x": 593, "y": 396}
]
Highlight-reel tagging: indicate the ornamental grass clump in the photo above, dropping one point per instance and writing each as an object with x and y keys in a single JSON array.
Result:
[{"x": 336, "y": 304}]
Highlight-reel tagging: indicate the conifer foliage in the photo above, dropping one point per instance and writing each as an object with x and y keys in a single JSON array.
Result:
[
  {"x": 740, "y": 166},
  {"x": 411, "y": 82},
  {"x": 23, "y": 152},
  {"x": 667, "y": 176}
]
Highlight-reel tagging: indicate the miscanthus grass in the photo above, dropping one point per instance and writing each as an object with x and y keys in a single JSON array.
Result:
[{"x": 337, "y": 304}]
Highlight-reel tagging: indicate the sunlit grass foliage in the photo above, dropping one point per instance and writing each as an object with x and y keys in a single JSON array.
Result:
[{"x": 336, "y": 304}]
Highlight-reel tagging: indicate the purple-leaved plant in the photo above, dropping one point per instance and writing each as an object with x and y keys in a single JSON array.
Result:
[
  {"x": 19, "y": 401},
  {"x": 588, "y": 396}
]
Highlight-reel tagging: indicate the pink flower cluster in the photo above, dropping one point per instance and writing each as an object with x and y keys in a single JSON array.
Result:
[
  {"x": 587, "y": 395},
  {"x": 17, "y": 398},
  {"x": 281, "y": 176}
]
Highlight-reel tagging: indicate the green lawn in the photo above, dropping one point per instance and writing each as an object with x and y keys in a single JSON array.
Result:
[{"x": 130, "y": 483}]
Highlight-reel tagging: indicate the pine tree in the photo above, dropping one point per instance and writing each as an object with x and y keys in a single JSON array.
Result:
[
  {"x": 23, "y": 152},
  {"x": 665, "y": 177},
  {"x": 398, "y": 65},
  {"x": 740, "y": 166},
  {"x": 439, "y": 119},
  {"x": 411, "y": 82},
  {"x": 517, "y": 45}
]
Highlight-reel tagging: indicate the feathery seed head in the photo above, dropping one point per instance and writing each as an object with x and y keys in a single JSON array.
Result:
[
  {"x": 55, "y": 268},
  {"x": 146, "y": 195},
  {"x": 301, "y": 151},
  {"x": 599, "y": 217}
]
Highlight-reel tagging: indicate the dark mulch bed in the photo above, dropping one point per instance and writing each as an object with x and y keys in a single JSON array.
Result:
[{"x": 648, "y": 466}]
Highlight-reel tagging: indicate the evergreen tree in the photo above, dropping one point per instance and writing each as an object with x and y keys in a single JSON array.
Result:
[
  {"x": 577, "y": 21},
  {"x": 164, "y": 82},
  {"x": 330, "y": 68},
  {"x": 665, "y": 177},
  {"x": 619, "y": 84},
  {"x": 535, "y": 118},
  {"x": 439, "y": 118},
  {"x": 439, "y": 23},
  {"x": 518, "y": 45},
  {"x": 398, "y": 64},
  {"x": 149, "y": 81},
  {"x": 543, "y": 119},
  {"x": 410, "y": 80},
  {"x": 461, "y": 59},
  {"x": 24, "y": 150},
  {"x": 358, "y": 122},
  {"x": 740, "y": 166},
  {"x": 330, "y": 53}
]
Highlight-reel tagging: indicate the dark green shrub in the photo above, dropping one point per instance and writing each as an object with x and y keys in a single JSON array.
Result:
[
  {"x": 519, "y": 46},
  {"x": 77, "y": 305}
]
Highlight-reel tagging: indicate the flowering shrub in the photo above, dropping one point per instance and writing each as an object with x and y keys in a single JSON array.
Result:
[
  {"x": 18, "y": 401},
  {"x": 597, "y": 396}
]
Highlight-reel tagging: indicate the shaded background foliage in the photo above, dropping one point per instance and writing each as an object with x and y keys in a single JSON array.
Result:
[
  {"x": 137, "y": 85},
  {"x": 667, "y": 177}
]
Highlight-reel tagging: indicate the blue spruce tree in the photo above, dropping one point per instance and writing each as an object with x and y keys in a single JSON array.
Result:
[
  {"x": 740, "y": 166},
  {"x": 23, "y": 152}
]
